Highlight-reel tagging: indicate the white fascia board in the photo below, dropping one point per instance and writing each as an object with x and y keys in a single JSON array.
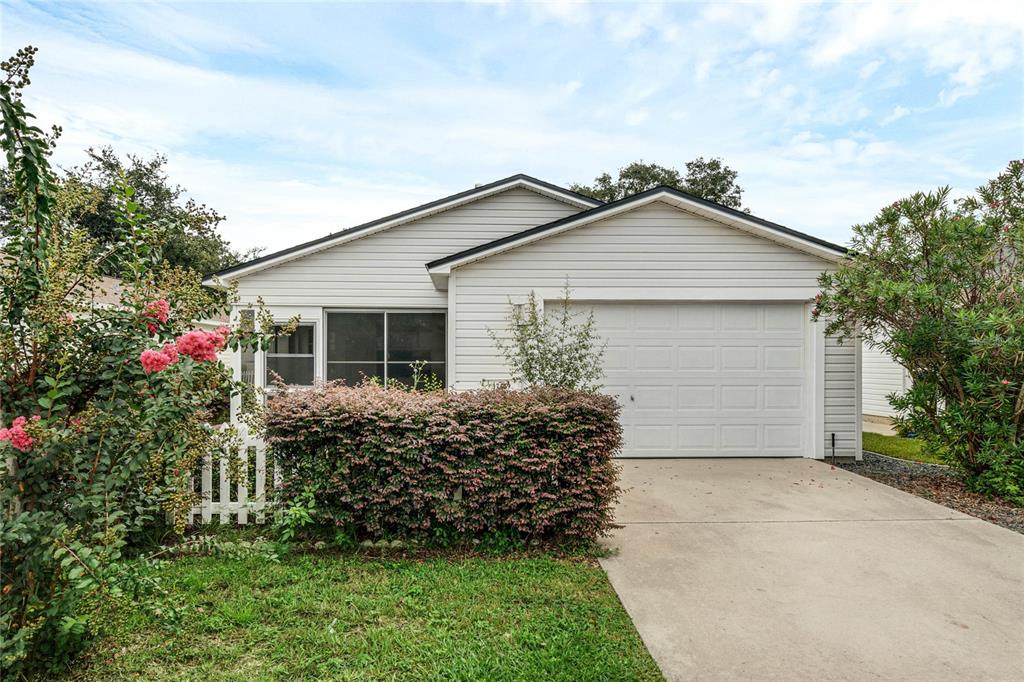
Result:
[{"x": 399, "y": 220}]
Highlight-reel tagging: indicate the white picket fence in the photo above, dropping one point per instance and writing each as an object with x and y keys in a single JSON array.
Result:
[{"x": 233, "y": 502}]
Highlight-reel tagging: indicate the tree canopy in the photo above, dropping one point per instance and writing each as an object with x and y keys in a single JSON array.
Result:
[
  {"x": 939, "y": 285},
  {"x": 709, "y": 179},
  {"x": 85, "y": 198}
]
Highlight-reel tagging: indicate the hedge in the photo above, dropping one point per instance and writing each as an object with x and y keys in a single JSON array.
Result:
[{"x": 391, "y": 464}]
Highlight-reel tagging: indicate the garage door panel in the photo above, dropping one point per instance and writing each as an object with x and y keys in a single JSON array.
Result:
[
  {"x": 735, "y": 358},
  {"x": 782, "y": 358},
  {"x": 698, "y": 397},
  {"x": 654, "y": 357},
  {"x": 783, "y": 318},
  {"x": 698, "y": 358},
  {"x": 783, "y": 397},
  {"x": 738, "y": 317},
  {"x": 697, "y": 438},
  {"x": 715, "y": 379},
  {"x": 740, "y": 397}
]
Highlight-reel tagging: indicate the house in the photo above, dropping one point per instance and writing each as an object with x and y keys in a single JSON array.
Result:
[
  {"x": 706, "y": 310},
  {"x": 882, "y": 376}
]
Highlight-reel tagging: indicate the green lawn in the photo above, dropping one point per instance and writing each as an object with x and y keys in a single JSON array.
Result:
[
  {"x": 354, "y": 618},
  {"x": 895, "y": 446}
]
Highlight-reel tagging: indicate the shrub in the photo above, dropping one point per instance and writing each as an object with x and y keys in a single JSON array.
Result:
[
  {"x": 104, "y": 410},
  {"x": 388, "y": 464},
  {"x": 939, "y": 285},
  {"x": 559, "y": 349}
]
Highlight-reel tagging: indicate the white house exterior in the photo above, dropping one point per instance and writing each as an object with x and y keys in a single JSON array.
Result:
[
  {"x": 882, "y": 376},
  {"x": 706, "y": 310}
]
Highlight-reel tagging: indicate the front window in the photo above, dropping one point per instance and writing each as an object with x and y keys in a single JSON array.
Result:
[
  {"x": 384, "y": 345},
  {"x": 291, "y": 356}
]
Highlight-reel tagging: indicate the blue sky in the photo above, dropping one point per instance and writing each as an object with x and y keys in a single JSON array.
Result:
[{"x": 299, "y": 119}]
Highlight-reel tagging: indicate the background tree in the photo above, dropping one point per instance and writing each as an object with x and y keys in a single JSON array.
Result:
[
  {"x": 709, "y": 179},
  {"x": 939, "y": 285},
  {"x": 83, "y": 198}
]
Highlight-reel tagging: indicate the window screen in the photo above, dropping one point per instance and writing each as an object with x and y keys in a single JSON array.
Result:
[
  {"x": 384, "y": 345},
  {"x": 355, "y": 346},
  {"x": 291, "y": 356}
]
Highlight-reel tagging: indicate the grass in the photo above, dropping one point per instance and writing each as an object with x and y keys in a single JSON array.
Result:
[
  {"x": 357, "y": 618},
  {"x": 896, "y": 446}
]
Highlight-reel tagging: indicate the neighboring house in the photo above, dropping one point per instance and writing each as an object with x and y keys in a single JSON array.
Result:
[
  {"x": 706, "y": 310},
  {"x": 882, "y": 376}
]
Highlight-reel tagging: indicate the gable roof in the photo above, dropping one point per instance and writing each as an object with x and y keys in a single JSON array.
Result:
[
  {"x": 746, "y": 222},
  {"x": 519, "y": 180}
]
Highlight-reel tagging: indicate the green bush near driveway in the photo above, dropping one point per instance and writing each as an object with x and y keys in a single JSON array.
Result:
[{"x": 356, "y": 618}]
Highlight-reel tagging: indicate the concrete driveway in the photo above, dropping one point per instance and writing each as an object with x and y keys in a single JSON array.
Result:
[{"x": 789, "y": 569}]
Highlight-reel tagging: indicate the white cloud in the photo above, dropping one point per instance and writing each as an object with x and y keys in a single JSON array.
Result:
[
  {"x": 965, "y": 41},
  {"x": 898, "y": 112},
  {"x": 869, "y": 69},
  {"x": 571, "y": 87}
]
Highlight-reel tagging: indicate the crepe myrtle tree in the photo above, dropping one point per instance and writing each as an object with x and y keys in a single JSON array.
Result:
[
  {"x": 105, "y": 410},
  {"x": 939, "y": 285},
  {"x": 558, "y": 347}
]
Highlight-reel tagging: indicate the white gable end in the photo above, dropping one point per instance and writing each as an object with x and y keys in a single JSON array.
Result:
[{"x": 385, "y": 268}]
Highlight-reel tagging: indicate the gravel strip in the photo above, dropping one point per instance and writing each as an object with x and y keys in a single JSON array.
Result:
[{"x": 939, "y": 484}]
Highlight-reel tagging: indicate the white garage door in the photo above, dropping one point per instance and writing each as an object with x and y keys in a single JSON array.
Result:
[{"x": 708, "y": 380}]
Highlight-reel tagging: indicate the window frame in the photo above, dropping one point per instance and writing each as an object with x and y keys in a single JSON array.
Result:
[
  {"x": 316, "y": 351},
  {"x": 386, "y": 312}
]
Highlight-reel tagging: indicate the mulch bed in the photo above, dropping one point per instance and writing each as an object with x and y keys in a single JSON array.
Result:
[{"x": 938, "y": 484}]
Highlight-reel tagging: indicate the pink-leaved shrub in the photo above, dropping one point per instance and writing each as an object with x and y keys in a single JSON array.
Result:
[{"x": 394, "y": 464}]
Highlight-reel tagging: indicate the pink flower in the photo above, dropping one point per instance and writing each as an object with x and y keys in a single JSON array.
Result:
[
  {"x": 1004, "y": 382},
  {"x": 202, "y": 345},
  {"x": 171, "y": 351},
  {"x": 154, "y": 360},
  {"x": 157, "y": 310},
  {"x": 17, "y": 436}
]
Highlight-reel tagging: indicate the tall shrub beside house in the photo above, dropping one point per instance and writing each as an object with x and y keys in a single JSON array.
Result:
[
  {"x": 426, "y": 466},
  {"x": 939, "y": 286},
  {"x": 554, "y": 347},
  {"x": 104, "y": 411}
]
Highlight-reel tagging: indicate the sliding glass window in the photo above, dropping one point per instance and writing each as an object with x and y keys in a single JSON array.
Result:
[{"x": 385, "y": 345}]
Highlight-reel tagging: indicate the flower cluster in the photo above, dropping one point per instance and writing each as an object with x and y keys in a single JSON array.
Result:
[
  {"x": 17, "y": 436},
  {"x": 157, "y": 310},
  {"x": 155, "y": 360},
  {"x": 203, "y": 345}
]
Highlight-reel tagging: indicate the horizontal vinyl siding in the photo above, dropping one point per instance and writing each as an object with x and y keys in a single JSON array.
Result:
[
  {"x": 387, "y": 269},
  {"x": 841, "y": 416},
  {"x": 656, "y": 251},
  {"x": 653, "y": 247},
  {"x": 881, "y": 375}
]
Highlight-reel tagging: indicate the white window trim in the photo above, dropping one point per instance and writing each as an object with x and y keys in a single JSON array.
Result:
[{"x": 322, "y": 365}]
